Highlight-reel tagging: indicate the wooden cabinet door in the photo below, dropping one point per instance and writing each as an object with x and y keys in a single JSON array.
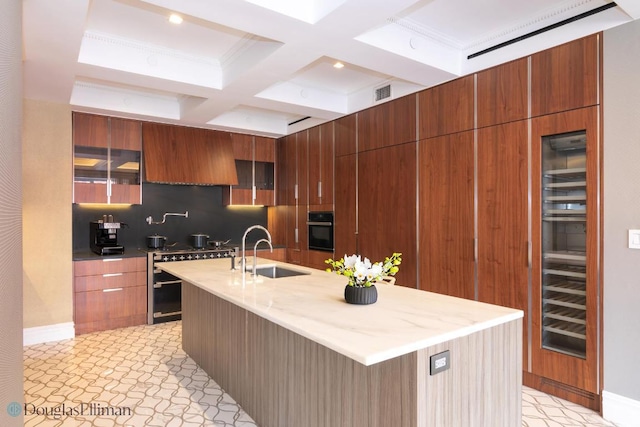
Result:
[
  {"x": 577, "y": 372},
  {"x": 387, "y": 207},
  {"x": 90, "y": 130},
  {"x": 344, "y": 230},
  {"x": 565, "y": 77},
  {"x": 326, "y": 165},
  {"x": 345, "y": 135},
  {"x": 303, "y": 191},
  {"x": 393, "y": 122},
  {"x": 446, "y": 215},
  {"x": 125, "y": 134},
  {"x": 502, "y": 212},
  {"x": 315, "y": 161},
  {"x": 502, "y": 93},
  {"x": 242, "y": 146},
  {"x": 447, "y": 108},
  {"x": 320, "y": 170}
]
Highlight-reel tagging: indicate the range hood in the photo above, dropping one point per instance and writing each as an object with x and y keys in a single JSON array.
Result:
[{"x": 190, "y": 156}]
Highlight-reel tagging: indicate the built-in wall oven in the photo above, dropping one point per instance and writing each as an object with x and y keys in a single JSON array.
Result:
[
  {"x": 164, "y": 290},
  {"x": 320, "y": 227}
]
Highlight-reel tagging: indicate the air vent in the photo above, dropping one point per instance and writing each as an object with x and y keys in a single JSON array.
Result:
[{"x": 383, "y": 92}]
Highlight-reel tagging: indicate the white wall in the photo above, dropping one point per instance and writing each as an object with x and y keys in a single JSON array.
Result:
[
  {"x": 621, "y": 212},
  {"x": 10, "y": 211}
]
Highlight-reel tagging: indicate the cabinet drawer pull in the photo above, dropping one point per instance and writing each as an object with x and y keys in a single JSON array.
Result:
[
  {"x": 320, "y": 189},
  {"x": 111, "y": 274},
  {"x": 111, "y": 259},
  {"x": 112, "y": 290}
]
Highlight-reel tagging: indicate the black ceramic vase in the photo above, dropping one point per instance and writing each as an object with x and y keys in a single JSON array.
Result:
[{"x": 360, "y": 295}]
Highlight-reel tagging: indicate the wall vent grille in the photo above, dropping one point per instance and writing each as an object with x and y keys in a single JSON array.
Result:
[{"x": 383, "y": 92}]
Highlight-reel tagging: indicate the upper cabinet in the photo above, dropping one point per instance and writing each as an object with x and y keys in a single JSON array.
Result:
[
  {"x": 565, "y": 77},
  {"x": 185, "y": 155},
  {"x": 502, "y": 93},
  {"x": 447, "y": 108},
  {"x": 391, "y": 123},
  {"x": 320, "y": 168},
  {"x": 106, "y": 159},
  {"x": 255, "y": 165}
]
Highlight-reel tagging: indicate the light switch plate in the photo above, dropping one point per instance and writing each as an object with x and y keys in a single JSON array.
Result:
[{"x": 634, "y": 239}]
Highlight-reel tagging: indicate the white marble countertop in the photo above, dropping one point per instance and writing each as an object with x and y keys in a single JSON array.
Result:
[{"x": 403, "y": 320}]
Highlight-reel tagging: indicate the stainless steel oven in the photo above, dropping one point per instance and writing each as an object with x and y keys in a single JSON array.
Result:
[{"x": 320, "y": 227}]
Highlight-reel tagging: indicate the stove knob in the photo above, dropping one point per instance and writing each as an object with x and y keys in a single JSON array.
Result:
[{"x": 181, "y": 257}]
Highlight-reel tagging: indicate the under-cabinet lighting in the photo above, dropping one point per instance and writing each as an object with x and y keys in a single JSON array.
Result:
[
  {"x": 100, "y": 206},
  {"x": 174, "y": 18},
  {"x": 338, "y": 65}
]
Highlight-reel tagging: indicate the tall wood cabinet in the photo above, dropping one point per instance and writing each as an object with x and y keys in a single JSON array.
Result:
[
  {"x": 566, "y": 224},
  {"x": 446, "y": 214},
  {"x": 346, "y": 164},
  {"x": 321, "y": 167}
]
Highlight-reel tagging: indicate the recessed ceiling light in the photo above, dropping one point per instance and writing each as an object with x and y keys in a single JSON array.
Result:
[
  {"x": 338, "y": 65},
  {"x": 175, "y": 18}
]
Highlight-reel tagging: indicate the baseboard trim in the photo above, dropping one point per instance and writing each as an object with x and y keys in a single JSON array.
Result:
[
  {"x": 48, "y": 333},
  {"x": 620, "y": 410}
]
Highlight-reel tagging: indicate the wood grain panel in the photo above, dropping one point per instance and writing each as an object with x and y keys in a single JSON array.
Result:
[
  {"x": 492, "y": 400},
  {"x": 344, "y": 230},
  {"x": 565, "y": 77},
  {"x": 87, "y": 192},
  {"x": 90, "y": 130},
  {"x": 242, "y": 146},
  {"x": 178, "y": 154},
  {"x": 113, "y": 308},
  {"x": 327, "y": 164},
  {"x": 315, "y": 161},
  {"x": 265, "y": 149},
  {"x": 276, "y": 224},
  {"x": 573, "y": 371},
  {"x": 447, "y": 108},
  {"x": 502, "y": 206},
  {"x": 391, "y": 123},
  {"x": 115, "y": 280},
  {"x": 109, "y": 265},
  {"x": 278, "y": 254},
  {"x": 316, "y": 259},
  {"x": 446, "y": 215},
  {"x": 126, "y": 193},
  {"x": 502, "y": 93},
  {"x": 125, "y": 134},
  {"x": 283, "y": 379},
  {"x": 387, "y": 207},
  {"x": 345, "y": 135}
]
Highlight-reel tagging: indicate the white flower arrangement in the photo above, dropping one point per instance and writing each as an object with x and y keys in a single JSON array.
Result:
[{"x": 362, "y": 272}]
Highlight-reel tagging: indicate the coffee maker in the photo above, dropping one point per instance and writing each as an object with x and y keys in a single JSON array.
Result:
[{"x": 103, "y": 235}]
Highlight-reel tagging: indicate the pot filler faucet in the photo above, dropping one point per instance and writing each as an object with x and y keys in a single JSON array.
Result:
[{"x": 243, "y": 261}]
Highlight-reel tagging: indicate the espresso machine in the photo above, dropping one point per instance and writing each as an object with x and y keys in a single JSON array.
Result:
[{"x": 103, "y": 235}]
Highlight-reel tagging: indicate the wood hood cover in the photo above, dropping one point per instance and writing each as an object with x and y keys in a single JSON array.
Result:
[{"x": 184, "y": 155}]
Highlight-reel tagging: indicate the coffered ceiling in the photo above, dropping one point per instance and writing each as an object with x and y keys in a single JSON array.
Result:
[{"x": 266, "y": 67}]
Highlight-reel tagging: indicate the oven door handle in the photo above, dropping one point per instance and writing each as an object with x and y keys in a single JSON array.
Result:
[
  {"x": 321, "y": 223},
  {"x": 168, "y": 282}
]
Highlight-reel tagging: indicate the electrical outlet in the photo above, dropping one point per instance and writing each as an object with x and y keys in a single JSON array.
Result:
[{"x": 439, "y": 362}]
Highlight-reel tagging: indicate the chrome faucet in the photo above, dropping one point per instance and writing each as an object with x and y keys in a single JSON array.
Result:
[
  {"x": 243, "y": 260},
  {"x": 255, "y": 254}
]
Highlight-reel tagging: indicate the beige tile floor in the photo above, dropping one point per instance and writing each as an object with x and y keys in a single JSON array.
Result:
[{"x": 140, "y": 376}]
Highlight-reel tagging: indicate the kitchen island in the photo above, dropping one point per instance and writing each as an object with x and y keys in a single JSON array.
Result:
[{"x": 293, "y": 353}]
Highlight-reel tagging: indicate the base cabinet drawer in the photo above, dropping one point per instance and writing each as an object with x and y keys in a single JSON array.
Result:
[
  {"x": 110, "y": 308},
  {"x": 109, "y": 293}
]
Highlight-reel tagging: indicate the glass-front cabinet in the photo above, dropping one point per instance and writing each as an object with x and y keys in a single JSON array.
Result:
[
  {"x": 106, "y": 159},
  {"x": 564, "y": 242},
  {"x": 255, "y": 166},
  {"x": 565, "y": 213}
]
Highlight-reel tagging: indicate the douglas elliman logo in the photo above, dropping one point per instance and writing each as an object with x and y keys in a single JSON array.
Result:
[{"x": 56, "y": 412}]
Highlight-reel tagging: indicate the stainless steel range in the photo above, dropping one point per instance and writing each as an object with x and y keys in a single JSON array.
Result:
[{"x": 164, "y": 296}]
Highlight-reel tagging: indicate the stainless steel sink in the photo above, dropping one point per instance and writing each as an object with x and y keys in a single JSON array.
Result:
[{"x": 275, "y": 272}]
